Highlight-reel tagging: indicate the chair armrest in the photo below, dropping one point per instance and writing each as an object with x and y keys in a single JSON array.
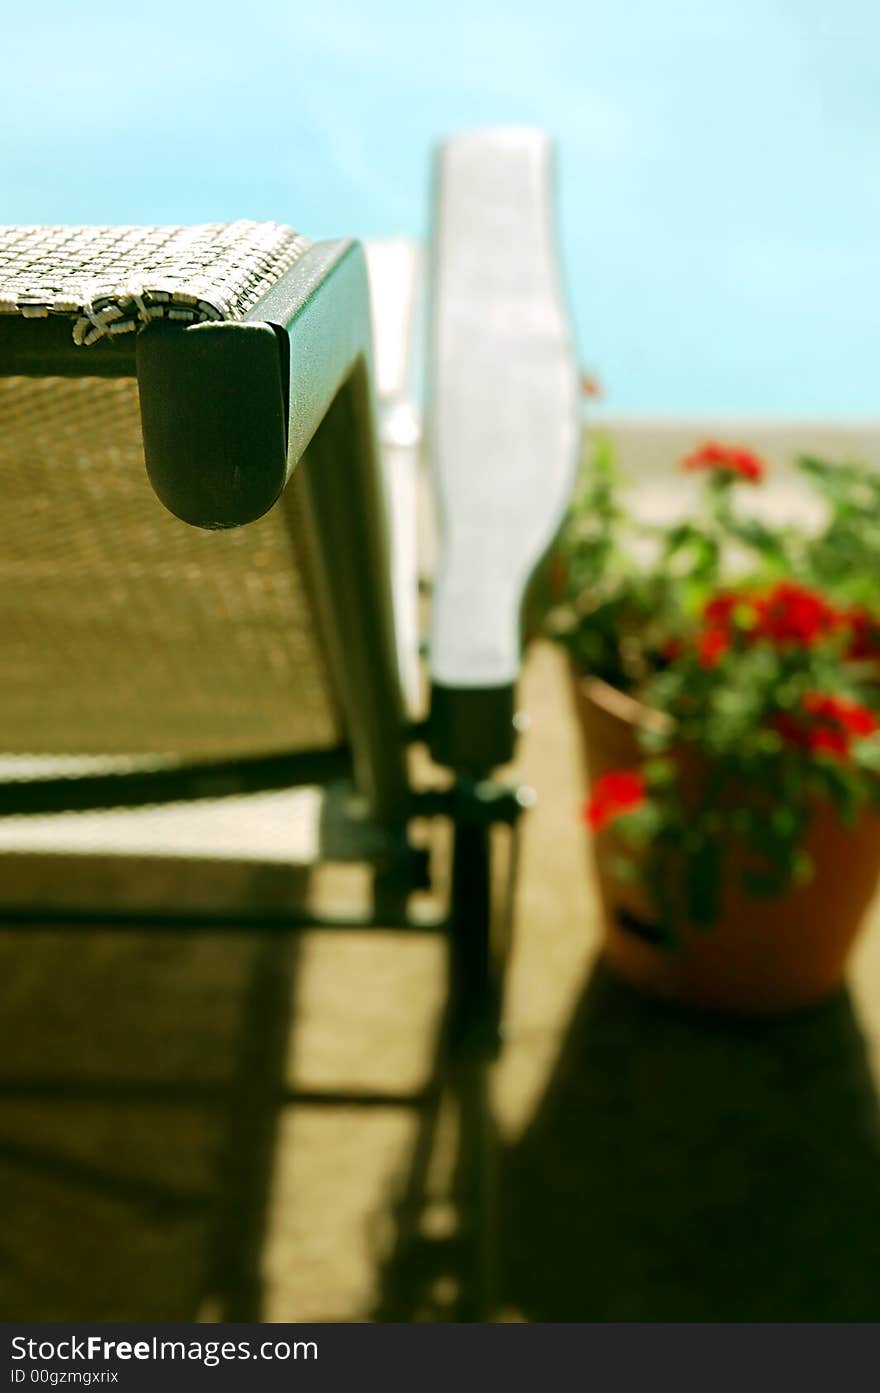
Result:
[
  {"x": 229, "y": 408},
  {"x": 394, "y": 267},
  {"x": 503, "y": 426},
  {"x": 209, "y": 319}
]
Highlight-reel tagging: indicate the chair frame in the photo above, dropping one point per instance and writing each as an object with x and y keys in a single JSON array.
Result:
[{"x": 228, "y": 411}]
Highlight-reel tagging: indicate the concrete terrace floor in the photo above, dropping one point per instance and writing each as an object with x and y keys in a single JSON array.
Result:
[{"x": 657, "y": 1165}]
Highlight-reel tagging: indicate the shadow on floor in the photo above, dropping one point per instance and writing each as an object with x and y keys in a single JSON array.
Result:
[
  {"x": 679, "y": 1167},
  {"x": 691, "y": 1168},
  {"x": 140, "y": 1075}
]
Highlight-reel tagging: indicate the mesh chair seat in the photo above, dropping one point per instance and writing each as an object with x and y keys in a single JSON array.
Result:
[
  {"x": 111, "y": 280},
  {"x": 123, "y": 630}
]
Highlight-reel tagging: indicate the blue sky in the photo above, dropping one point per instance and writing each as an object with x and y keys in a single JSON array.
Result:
[{"x": 718, "y": 159}]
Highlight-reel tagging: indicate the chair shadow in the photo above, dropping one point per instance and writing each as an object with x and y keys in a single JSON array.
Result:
[
  {"x": 687, "y": 1167},
  {"x": 140, "y": 1079}
]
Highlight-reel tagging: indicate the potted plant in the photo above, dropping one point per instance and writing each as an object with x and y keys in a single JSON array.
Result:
[{"x": 726, "y": 675}]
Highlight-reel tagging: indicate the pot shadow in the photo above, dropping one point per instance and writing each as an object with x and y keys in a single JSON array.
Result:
[{"x": 692, "y": 1167}]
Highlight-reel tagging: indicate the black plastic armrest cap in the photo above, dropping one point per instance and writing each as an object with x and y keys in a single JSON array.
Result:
[{"x": 471, "y": 729}]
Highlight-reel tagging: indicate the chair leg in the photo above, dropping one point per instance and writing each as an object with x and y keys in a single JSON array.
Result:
[
  {"x": 473, "y": 987},
  {"x": 479, "y": 933},
  {"x": 474, "y": 1034}
]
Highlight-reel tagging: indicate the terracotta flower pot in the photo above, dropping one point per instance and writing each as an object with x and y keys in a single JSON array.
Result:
[{"x": 764, "y": 954}]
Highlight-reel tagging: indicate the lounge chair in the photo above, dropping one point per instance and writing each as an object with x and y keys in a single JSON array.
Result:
[{"x": 223, "y": 622}]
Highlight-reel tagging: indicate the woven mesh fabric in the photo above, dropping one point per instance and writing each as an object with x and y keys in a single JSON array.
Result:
[
  {"x": 109, "y": 280},
  {"x": 124, "y": 631}
]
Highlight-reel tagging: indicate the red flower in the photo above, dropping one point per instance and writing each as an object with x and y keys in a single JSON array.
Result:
[
  {"x": 727, "y": 459},
  {"x": 828, "y": 741},
  {"x": 864, "y": 630},
  {"x": 719, "y": 610},
  {"x": 712, "y": 646},
  {"x": 718, "y": 635},
  {"x": 833, "y": 723},
  {"x": 615, "y": 793},
  {"x": 787, "y": 614},
  {"x": 791, "y": 613},
  {"x": 849, "y": 716}
]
